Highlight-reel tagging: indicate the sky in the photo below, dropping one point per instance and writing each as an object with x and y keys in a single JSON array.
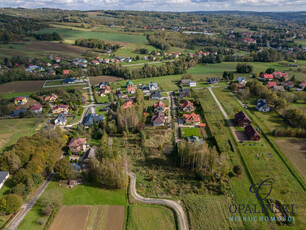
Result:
[{"x": 162, "y": 5}]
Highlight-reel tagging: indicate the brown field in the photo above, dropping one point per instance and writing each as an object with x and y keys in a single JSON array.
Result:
[
  {"x": 71, "y": 218},
  {"x": 295, "y": 151},
  {"x": 21, "y": 87},
  {"x": 96, "y": 80},
  {"x": 56, "y": 47},
  {"x": 114, "y": 218}
]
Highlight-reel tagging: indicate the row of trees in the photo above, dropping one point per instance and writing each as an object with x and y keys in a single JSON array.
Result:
[
  {"x": 96, "y": 43},
  {"x": 49, "y": 37}
]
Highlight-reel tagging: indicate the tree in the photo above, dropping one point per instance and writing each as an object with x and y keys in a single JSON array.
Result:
[
  {"x": 238, "y": 169},
  {"x": 10, "y": 203},
  {"x": 234, "y": 87},
  {"x": 63, "y": 169}
]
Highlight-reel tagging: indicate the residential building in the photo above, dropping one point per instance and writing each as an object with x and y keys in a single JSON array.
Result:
[
  {"x": 61, "y": 119},
  {"x": 192, "y": 83},
  {"x": 279, "y": 75},
  {"x": 18, "y": 112},
  {"x": 159, "y": 107},
  {"x": 271, "y": 84},
  {"x": 52, "y": 98},
  {"x": 241, "y": 80},
  {"x": 20, "y": 100},
  {"x": 60, "y": 109},
  {"x": 66, "y": 71},
  {"x": 191, "y": 119},
  {"x": 77, "y": 145},
  {"x": 252, "y": 133},
  {"x": 184, "y": 92},
  {"x": 153, "y": 86},
  {"x": 91, "y": 118},
  {"x": 302, "y": 85},
  {"x": 131, "y": 89},
  {"x": 37, "y": 109},
  {"x": 262, "y": 106},
  {"x": 267, "y": 77},
  {"x": 184, "y": 82},
  {"x": 213, "y": 80},
  {"x": 119, "y": 94},
  {"x": 103, "y": 84},
  {"x": 155, "y": 95},
  {"x": 158, "y": 119},
  {"x": 288, "y": 84},
  {"x": 187, "y": 106},
  {"x": 95, "y": 62},
  {"x": 68, "y": 81},
  {"x": 242, "y": 119},
  {"x": 4, "y": 175},
  {"x": 249, "y": 41},
  {"x": 128, "y": 104}
]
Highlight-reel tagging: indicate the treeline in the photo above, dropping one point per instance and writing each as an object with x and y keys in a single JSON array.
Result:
[
  {"x": 244, "y": 68},
  {"x": 49, "y": 37},
  {"x": 31, "y": 158},
  {"x": 96, "y": 43},
  {"x": 15, "y": 28},
  {"x": 170, "y": 68}
]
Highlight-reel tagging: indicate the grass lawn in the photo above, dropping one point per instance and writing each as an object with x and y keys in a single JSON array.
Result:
[
  {"x": 150, "y": 218},
  {"x": 210, "y": 212},
  {"x": 186, "y": 132},
  {"x": 80, "y": 195},
  {"x": 12, "y": 129},
  {"x": 70, "y": 35}
]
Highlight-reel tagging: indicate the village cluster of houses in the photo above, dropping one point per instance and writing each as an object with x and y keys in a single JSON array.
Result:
[
  {"x": 22, "y": 107},
  {"x": 274, "y": 81}
]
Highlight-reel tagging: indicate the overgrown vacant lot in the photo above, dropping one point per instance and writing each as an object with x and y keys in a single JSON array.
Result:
[
  {"x": 12, "y": 129},
  {"x": 97, "y": 79},
  {"x": 150, "y": 218},
  {"x": 264, "y": 162}
]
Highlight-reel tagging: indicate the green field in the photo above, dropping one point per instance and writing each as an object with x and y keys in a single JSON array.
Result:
[
  {"x": 150, "y": 218},
  {"x": 12, "y": 129},
  {"x": 80, "y": 195},
  {"x": 186, "y": 132},
  {"x": 70, "y": 35}
]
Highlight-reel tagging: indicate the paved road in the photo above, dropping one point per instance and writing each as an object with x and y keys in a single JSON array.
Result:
[
  {"x": 170, "y": 203},
  {"x": 27, "y": 206},
  {"x": 224, "y": 114},
  {"x": 92, "y": 108}
]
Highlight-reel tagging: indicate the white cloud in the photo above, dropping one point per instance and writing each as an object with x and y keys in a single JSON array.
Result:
[{"x": 163, "y": 5}]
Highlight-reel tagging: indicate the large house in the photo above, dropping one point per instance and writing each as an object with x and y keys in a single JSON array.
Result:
[
  {"x": 191, "y": 119},
  {"x": 241, "y": 80},
  {"x": 262, "y": 106},
  {"x": 184, "y": 92},
  {"x": 156, "y": 95},
  {"x": 267, "y": 77},
  {"x": 105, "y": 90},
  {"x": 153, "y": 86},
  {"x": 252, "y": 133},
  {"x": 128, "y": 104},
  {"x": 213, "y": 80},
  {"x": 4, "y": 175},
  {"x": 188, "y": 82},
  {"x": 37, "y": 109},
  {"x": 158, "y": 119},
  {"x": 60, "y": 109},
  {"x": 242, "y": 119},
  {"x": 60, "y": 119},
  {"x": 77, "y": 145},
  {"x": 91, "y": 118},
  {"x": 103, "y": 84},
  {"x": 302, "y": 85},
  {"x": 159, "y": 107},
  {"x": 249, "y": 41},
  {"x": 130, "y": 87},
  {"x": 187, "y": 106},
  {"x": 20, "y": 100},
  {"x": 68, "y": 81}
]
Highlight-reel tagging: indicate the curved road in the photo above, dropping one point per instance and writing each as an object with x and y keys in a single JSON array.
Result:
[{"x": 170, "y": 203}]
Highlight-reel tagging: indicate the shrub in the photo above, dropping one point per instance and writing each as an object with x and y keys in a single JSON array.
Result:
[{"x": 238, "y": 169}]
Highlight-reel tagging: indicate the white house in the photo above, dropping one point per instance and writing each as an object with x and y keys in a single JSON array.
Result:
[
  {"x": 153, "y": 86},
  {"x": 4, "y": 175},
  {"x": 60, "y": 119},
  {"x": 192, "y": 83}
]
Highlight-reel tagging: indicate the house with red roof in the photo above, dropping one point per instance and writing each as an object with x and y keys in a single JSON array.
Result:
[
  {"x": 288, "y": 84},
  {"x": 52, "y": 98},
  {"x": 60, "y": 109},
  {"x": 20, "y": 100},
  {"x": 57, "y": 59},
  {"x": 159, "y": 107},
  {"x": 279, "y": 75},
  {"x": 187, "y": 106},
  {"x": 271, "y": 84},
  {"x": 37, "y": 109},
  {"x": 158, "y": 119},
  {"x": 267, "y": 77},
  {"x": 128, "y": 104},
  {"x": 191, "y": 119},
  {"x": 55, "y": 66},
  {"x": 95, "y": 62},
  {"x": 77, "y": 145},
  {"x": 249, "y": 41},
  {"x": 242, "y": 119},
  {"x": 252, "y": 133},
  {"x": 66, "y": 71}
]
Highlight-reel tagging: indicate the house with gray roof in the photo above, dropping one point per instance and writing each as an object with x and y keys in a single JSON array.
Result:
[
  {"x": 60, "y": 119},
  {"x": 262, "y": 106},
  {"x": 156, "y": 95},
  {"x": 153, "y": 86},
  {"x": 91, "y": 118}
]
